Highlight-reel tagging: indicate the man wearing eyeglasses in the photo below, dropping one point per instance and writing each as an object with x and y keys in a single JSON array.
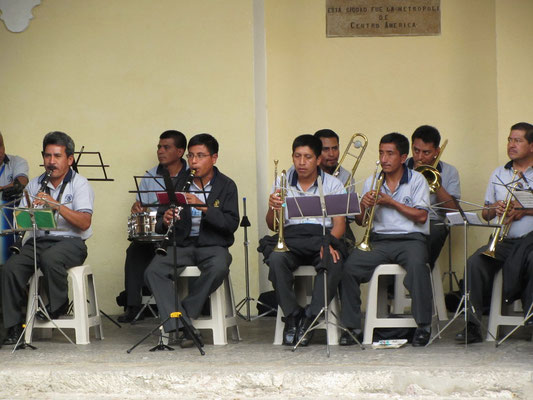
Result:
[
  {"x": 170, "y": 150},
  {"x": 203, "y": 231}
]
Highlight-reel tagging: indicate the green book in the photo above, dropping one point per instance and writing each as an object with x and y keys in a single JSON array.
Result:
[{"x": 44, "y": 219}]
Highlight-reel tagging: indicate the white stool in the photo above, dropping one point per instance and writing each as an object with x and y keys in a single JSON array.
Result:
[
  {"x": 499, "y": 313},
  {"x": 376, "y": 307},
  {"x": 303, "y": 287},
  {"x": 223, "y": 315},
  {"x": 401, "y": 301},
  {"x": 85, "y": 305}
]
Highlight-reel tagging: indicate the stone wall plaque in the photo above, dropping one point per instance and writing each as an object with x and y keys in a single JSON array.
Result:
[{"x": 382, "y": 17}]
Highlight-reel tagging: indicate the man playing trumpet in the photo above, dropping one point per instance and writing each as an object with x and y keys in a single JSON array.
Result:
[
  {"x": 398, "y": 235},
  {"x": 304, "y": 238},
  {"x": 482, "y": 268}
]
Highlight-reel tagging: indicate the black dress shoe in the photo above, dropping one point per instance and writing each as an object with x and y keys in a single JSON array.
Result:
[
  {"x": 53, "y": 314},
  {"x": 290, "y": 330},
  {"x": 421, "y": 337},
  {"x": 130, "y": 314},
  {"x": 473, "y": 336},
  {"x": 304, "y": 325},
  {"x": 13, "y": 335},
  {"x": 347, "y": 340}
]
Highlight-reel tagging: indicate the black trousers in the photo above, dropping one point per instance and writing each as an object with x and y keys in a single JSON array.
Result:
[
  {"x": 55, "y": 255},
  {"x": 138, "y": 257},
  {"x": 438, "y": 233},
  {"x": 481, "y": 271},
  {"x": 213, "y": 262},
  {"x": 359, "y": 268},
  {"x": 281, "y": 268}
]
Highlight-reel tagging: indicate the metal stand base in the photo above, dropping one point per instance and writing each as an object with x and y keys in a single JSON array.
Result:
[{"x": 529, "y": 315}]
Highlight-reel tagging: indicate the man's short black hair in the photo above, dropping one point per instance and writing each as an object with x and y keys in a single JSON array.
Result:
[
  {"x": 326, "y": 133},
  {"x": 205, "y": 139},
  {"x": 527, "y": 128},
  {"x": 428, "y": 134},
  {"x": 180, "y": 141},
  {"x": 59, "y": 139},
  {"x": 310, "y": 141},
  {"x": 399, "y": 140}
]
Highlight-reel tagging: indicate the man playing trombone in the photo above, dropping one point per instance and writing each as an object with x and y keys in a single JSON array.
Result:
[
  {"x": 425, "y": 143},
  {"x": 398, "y": 235},
  {"x": 304, "y": 239},
  {"x": 483, "y": 265}
]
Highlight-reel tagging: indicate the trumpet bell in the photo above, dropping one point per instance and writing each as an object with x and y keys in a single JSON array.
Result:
[{"x": 364, "y": 246}]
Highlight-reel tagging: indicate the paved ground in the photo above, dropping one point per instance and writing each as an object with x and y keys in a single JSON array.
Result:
[{"x": 254, "y": 368}]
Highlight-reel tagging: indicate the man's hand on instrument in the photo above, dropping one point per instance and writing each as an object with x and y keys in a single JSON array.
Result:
[
  {"x": 169, "y": 215},
  {"x": 385, "y": 200},
  {"x": 274, "y": 201},
  {"x": 44, "y": 199},
  {"x": 514, "y": 214},
  {"x": 193, "y": 199},
  {"x": 499, "y": 207},
  {"x": 137, "y": 208}
]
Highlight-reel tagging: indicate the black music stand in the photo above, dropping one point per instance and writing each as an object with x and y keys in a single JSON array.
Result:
[
  {"x": 321, "y": 206},
  {"x": 177, "y": 206},
  {"x": 466, "y": 219}
]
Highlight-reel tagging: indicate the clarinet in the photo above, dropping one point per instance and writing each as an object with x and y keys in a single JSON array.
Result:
[
  {"x": 162, "y": 249},
  {"x": 17, "y": 246}
]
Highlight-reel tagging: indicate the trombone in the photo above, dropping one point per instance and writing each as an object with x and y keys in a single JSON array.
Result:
[
  {"x": 501, "y": 232},
  {"x": 431, "y": 173},
  {"x": 358, "y": 141},
  {"x": 368, "y": 218}
]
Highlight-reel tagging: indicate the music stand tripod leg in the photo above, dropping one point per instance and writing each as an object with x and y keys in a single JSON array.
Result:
[{"x": 529, "y": 315}]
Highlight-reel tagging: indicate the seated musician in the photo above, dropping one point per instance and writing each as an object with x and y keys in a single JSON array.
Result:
[
  {"x": 481, "y": 268},
  {"x": 203, "y": 234},
  {"x": 399, "y": 232},
  {"x": 13, "y": 173},
  {"x": 71, "y": 197},
  {"x": 170, "y": 150},
  {"x": 304, "y": 239},
  {"x": 425, "y": 148}
]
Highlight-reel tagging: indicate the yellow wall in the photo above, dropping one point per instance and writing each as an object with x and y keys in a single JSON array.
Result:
[
  {"x": 514, "y": 41},
  {"x": 384, "y": 84},
  {"x": 115, "y": 74}
]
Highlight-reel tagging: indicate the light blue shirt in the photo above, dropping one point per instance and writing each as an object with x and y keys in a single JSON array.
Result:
[
  {"x": 330, "y": 185},
  {"x": 413, "y": 191},
  {"x": 78, "y": 195},
  {"x": 196, "y": 215},
  {"x": 496, "y": 192},
  {"x": 12, "y": 168}
]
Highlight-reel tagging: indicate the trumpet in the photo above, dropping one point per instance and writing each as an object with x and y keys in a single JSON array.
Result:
[
  {"x": 431, "y": 172},
  {"x": 279, "y": 215},
  {"x": 281, "y": 246},
  {"x": 368, "y": 218},
  {"x": 501, "y": 232},
  {"x": 358, "y": 144}
]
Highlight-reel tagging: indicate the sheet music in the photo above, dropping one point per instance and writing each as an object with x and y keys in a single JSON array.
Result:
[
  {"x": 524, "y": 197},
  {"x": 455, "y": 218}
]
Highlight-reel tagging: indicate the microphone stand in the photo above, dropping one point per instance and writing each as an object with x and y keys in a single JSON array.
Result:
[{"x": 245, "y": 223}]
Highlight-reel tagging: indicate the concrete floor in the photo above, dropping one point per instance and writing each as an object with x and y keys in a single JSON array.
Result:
[{"x": 254, "y": 368}]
